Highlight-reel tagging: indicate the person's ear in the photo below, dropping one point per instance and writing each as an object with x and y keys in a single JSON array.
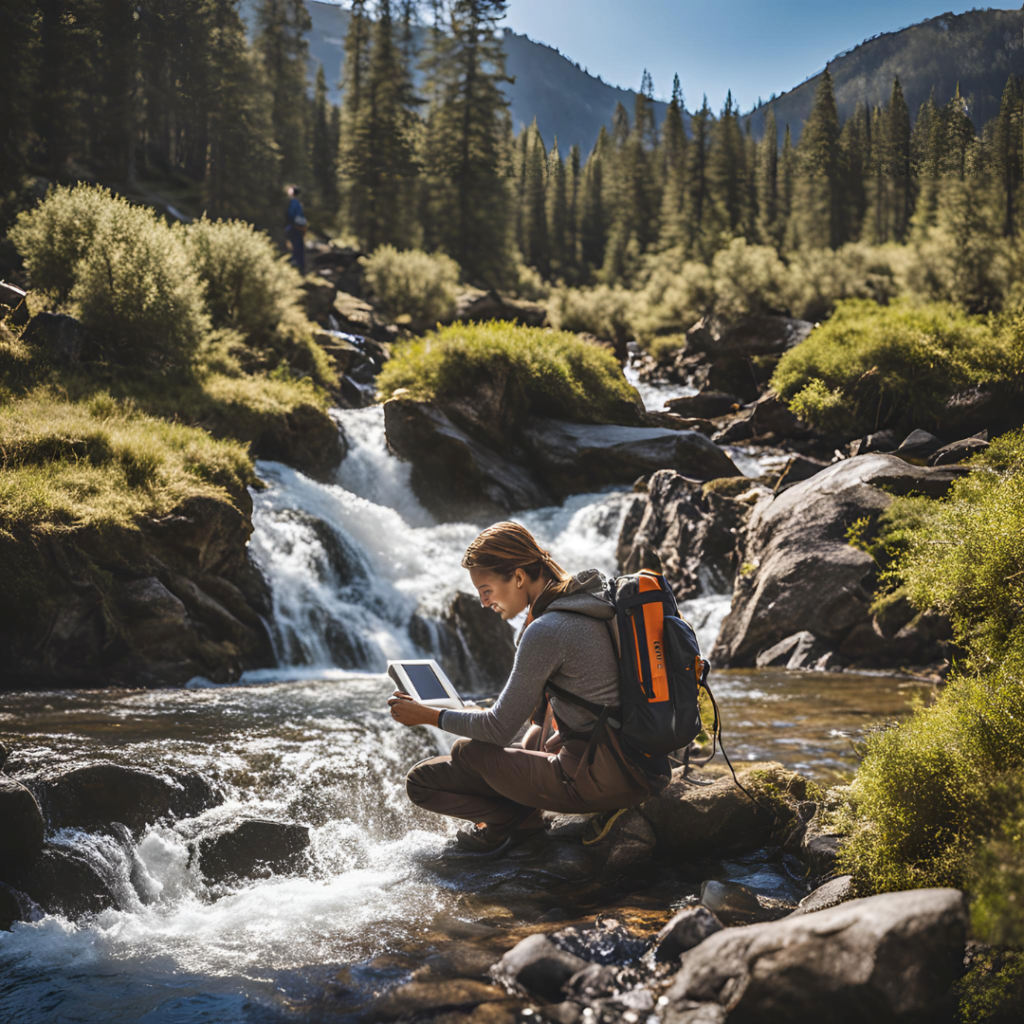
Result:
[{"x": 520, "y": 579}]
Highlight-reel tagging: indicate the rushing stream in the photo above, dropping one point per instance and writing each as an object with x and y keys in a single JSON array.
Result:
[{"x": 351, "y": 566}]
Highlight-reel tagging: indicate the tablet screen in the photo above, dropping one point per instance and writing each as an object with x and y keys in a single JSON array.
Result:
[{"x": 428, "y": 686}]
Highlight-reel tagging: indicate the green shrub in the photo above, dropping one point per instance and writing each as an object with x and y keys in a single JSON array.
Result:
[
  {"x": 968, "y": 561},
  {"x": 748, "y": 280},
  {"x": 602, "y": 311},
  {"x": 68, "y": 465},
  {"x": 992, "y": 991},
  {"x": 250, "y": 287},
  {"x": 674, "y": 298},
  {"x": 818, "y": 279},
  {"x": 558, "y": 374},
  {"x": 891, "y": 366},
  {"x": 933, "y": 788},
  {"x": 418, "y": 285},
  {"x": 128, "y": 277}
]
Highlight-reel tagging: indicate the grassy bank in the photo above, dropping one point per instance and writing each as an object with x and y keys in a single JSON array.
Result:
[
  {"x": 937, "y": 800},
  {"x": 548, "y": 373},
  {"x": 194, "y": 353}
]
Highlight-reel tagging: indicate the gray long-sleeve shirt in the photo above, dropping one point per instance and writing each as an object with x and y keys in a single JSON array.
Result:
[{"x": 570, "y": 648}]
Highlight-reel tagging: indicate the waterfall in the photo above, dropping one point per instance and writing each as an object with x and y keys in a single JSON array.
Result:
[{"x": 350, "y": 564}]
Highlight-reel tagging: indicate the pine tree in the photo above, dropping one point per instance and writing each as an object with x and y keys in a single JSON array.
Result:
[
  {"x": 593, "y": 225},
  {"x": 557, "y": 213},
  {"x": 855, "y": 140},
  {"x": 960, "y": 136},
  {"x": 1005, "y": 156},
  {"x": 927, "y": 153},
  {"x": 673, "y": 173},
  {"x": 18, "y": 55},
  {"x": 767, "y": 184},
  {"x": 324, "y": 152},
  {"x": 787, "y": 175},
  {"x": 281, "y": 44},
  {"x": 535, "y": 242},
  {"x": 817, "y": 216},
  {"x": 573, "y": 184},
  {"x": 698, "y": 193},
  {"x": 877, "y": 227},
  {"x": 899, "y": 163},
  {"x": 727, "y": 170},
  {"x": 116, "y": 102},
  {"x": 470, "y": 137}
]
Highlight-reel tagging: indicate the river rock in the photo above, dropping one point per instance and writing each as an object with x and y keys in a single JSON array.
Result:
[
  {"x": 356, "y": 316},
  {"x": 705, "y": 404},
  {"x": 886, "y": 958},
  {"x": 21, "y": 838},
  {"x": 949, "y": 454},
  {"x": 431, "y": 999},
  {"x": 10, "y": 908},
  {"x": 98, "y": 795},
  {"x": 800, "y": 574},
  {"x": 802, "y": 650},
  {"x": 306, "y": 438},
  {"x": 65, "y": 881},
  {"x": 608, "y": 941},
  {"x": 455, "y": 476},
  {"x": 735, "y": 904},
  {"x": 576, "y": 457},
  {"x": 689, "y": 533},
  {"x": 994, "y": 406},
  {"x": 689, "y": 928},
  {"x": 154, "y": 605},
  {"x": 539, "y": 967},
  {"x": 254, "y": 848},
  {"x": 918, "y": 446},
  {"x": 4, "y": 754},
  {"x": 831, "y": 894},
  {"x": 692, "y": 819},
  {"x": 799, "y": 468}
]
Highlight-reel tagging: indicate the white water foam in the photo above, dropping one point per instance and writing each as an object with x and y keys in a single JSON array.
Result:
[{"x": 656, "y": 396}]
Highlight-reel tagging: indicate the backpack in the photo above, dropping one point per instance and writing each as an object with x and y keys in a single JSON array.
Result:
[{"x": 661, "y": 673}]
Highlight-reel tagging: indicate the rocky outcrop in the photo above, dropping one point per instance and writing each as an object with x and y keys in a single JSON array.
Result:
[
  {"x": 21, "y": 839},
  {"x": 254, "y": 848},
  {"x": 800, "y": 575},
  {"x": 689, "y": 928},
  {"x": 886, "y": 958},
  {"x": 690, "y": 533},
  {"x": 454, "y": 475},
  {"x": 153, "y": 606},
  {"x": 95, "y": 796},
  {"x": 64, "y": 881},
  {"x": 304, "y": 437},
  {"x": 574, "y": 457},
  {"x": 477, "y": 306}
]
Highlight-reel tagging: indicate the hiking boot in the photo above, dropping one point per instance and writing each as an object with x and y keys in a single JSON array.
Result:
[
  {"x": 599, "y": 825},
  {"x": 489, "y": 843}
]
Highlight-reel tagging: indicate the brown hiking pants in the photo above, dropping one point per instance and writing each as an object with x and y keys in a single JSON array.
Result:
[{"x": 503, "y": 786}]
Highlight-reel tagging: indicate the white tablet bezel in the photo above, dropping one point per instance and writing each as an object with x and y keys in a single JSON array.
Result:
[{"x": 397, "y": 669}]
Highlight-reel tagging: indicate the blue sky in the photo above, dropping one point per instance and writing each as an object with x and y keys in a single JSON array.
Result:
[{"x": 755, "y": 48}]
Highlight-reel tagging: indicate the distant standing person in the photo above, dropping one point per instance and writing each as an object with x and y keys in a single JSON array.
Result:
[{"x": 295, "y": 228}]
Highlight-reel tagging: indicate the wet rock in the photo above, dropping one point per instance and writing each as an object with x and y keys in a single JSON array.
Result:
[
  {"x": 306, "y": 438},
  {"x": 819, "y": 848},
  {"x": 21, "y": 838},
  {"x": 62, "y": 339},
  {"x": 689, "y": 928},
  {"x": 254, "y": 848},
  {"x": 608, "y": 941},
  {"x": 918, "y": 446},
  {"x": 881, "y": 441},
  {"x": 688, "y": 533},
  {"x": 802, "y": 650},
  {"x": 539, "y": 967},
  {"x": 455, "y": 476},
  {"x": 10, "y": 908},
  {"x": 995, "y": 406},
  {"x": 949, "y": 454},
  {"x": 434, "y": 997},
  {"x": 3, "y": 756},
  {"x": 801, "y": 574},
  {"x": 318, "y": 297},
  {"x": 475, "y": 643},
  {"x": 692, "y": 819},
  {"x": 477, "y": 306},
  {"x": 631, "y": 841},
  {"x": 831, "y": 894},
  {"x": 562, "y": 1013},
  {"x": 577, "y": 457},
  {"x": 799, "y": 468},
  {"x": 705, "y": 404},
  {"x": 735, "y": 904},
  {"x": 885, "y": 958},
  {"x": 593, "y": 982},
  {"x": 64, "y": 881},
  {"x": 96, "y": 796},
  {"x": 356, "y": 316}
]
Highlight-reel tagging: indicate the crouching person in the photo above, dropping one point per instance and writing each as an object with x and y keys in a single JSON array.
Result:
[{"x": 565, "y": 679}]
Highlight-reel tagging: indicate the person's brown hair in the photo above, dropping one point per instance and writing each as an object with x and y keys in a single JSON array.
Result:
[{"x": 505, "y": 547}]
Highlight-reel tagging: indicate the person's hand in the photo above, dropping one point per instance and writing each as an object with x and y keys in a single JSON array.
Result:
[{"x": 409, "y": 712}]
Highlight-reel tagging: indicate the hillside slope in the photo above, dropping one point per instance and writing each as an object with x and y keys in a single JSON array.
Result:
[{"x": 979, "y": 49}]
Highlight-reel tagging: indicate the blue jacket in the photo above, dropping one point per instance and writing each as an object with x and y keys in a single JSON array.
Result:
[{"x": 294, "y": 210}]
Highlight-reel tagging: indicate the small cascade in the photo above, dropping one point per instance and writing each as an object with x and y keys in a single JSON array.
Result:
[{"x": 354, "y": 565}]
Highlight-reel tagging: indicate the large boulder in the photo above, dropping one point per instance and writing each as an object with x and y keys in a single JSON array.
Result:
[
  {"x": 689, "y": 928},
  {"x": 692, "y": 819},
  {"x": 575, "y": 457},
  {"x": 254, "y": 848},
  {"x": 886, "y": 958},
  {"x": 800, "y": 574},
  {"x": 539, "y": 967},
  {"x": 21, "y": 839},
  {"x": 68, "y": 882},
  {"x": 98, "y": 795},
  {"x": 690, "y": 533},
  {"x": 454, "y": 475}
]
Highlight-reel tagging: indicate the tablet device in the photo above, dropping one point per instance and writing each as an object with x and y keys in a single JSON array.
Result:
[{"x": 425, "y": 681}]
